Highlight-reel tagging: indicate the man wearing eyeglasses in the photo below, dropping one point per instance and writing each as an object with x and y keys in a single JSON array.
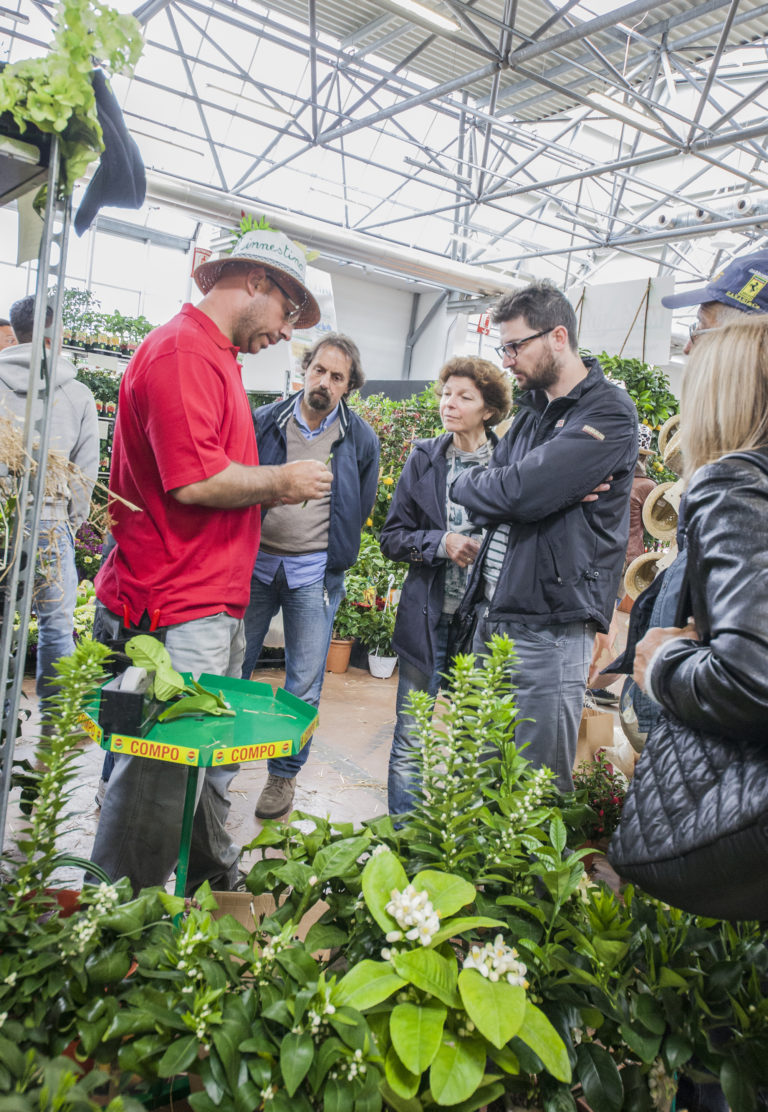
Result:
[
  {"x": 306, "y": 549},
  {"x": 555, "y": 503},
  {"x": 185, "y": 459},
  {"x": 742, "y": 287}
]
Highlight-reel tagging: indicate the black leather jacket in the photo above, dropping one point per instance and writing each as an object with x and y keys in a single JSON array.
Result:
[{"x": 720, "y": 683}]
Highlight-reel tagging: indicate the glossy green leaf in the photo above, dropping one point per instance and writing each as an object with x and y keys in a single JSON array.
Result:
[
  {"x": 538, "y": 1033},
  {"x": 416, "y": 1032},
  {"x": 647, "y": 1011},
  {"x": 340, "y": 858},
  {"x": 382, "y": 873},
  {"x": 496, "y": 1008},
  {"x": 557, "y": 833},
  {"x": 324, "y": 936},
  {"x": 398, "y": 1103},
  {"x": 505, "y": 1059},
  {"x": 641, "y": 1043},
  {"x": 194, "y": 704},
  {"x": 677, "y": 1050},
  {"x": 457, "y": 1070},
  {"x": 448, "y": 893},
  {"x": 739, "y": 1090},
  {"x": 599, "y": 1077},
  {"x": 337, "y": 1096},
  {"x": 147, "y": 652},
  {"x": 179, "y": 1056},
  {"x": 399, "y": 1077},
  {"x": 668, "y": 978},
  {"x": 296, "y": 1054},
  {"x": 462, "y": 923},
  {"x": 430, "y": 972},
  {"x": 367, "y": 984},
  {"x": 482, "y": 1098}
]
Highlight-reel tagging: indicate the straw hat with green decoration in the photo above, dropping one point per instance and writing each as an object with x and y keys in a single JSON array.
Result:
[{"x": 262, "y": 245}]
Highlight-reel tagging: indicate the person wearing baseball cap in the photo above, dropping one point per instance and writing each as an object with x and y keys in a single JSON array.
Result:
[
  {"x": 741, "y": 287},
  {"x": 186, "y": 528}
]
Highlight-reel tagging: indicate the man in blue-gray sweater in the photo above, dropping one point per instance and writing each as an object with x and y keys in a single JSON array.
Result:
[
  {"x": 305, "y": 549},
  {"x": 555, "y": 503}
]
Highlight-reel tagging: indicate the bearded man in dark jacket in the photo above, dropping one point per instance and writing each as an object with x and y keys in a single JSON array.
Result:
[{"x": 555, "y": 503}]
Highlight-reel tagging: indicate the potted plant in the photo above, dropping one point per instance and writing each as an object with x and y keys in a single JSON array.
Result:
[
  {"x": 463, "y": 960},
  {"x": 54, "y": 93},
  {"x": 375, "y": 630},
  {"x": 344, "y": 633},
  {"x": 601, "y": 789}
]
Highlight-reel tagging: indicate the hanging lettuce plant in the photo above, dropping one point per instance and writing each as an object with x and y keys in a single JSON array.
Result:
[{"x": 55, "y": 93}]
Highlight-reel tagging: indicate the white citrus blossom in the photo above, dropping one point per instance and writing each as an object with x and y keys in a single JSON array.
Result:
[
  {"x": 414, "y": 914},
  {"x": 496, "y": 960}
]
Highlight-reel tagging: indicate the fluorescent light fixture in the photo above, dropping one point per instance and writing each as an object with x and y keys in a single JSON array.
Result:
[
  {"x": 617, "y": 108},
  {"x": 421, "y": 11}
]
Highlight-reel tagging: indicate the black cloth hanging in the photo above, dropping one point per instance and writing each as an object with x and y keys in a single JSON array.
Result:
[{"x": 120, "y": 179}]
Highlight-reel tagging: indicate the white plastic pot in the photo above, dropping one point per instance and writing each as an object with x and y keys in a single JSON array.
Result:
[{"x": 381, "y": 667}]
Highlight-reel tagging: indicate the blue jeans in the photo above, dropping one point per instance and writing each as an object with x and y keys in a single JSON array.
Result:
[
  {"x": 404, "y": 773},
  {"x": 55, "y": 593},
  {"x": 549, "y": 679},
  {"x": 308, "y": 614},
  {"x": 140, "y": 821}
]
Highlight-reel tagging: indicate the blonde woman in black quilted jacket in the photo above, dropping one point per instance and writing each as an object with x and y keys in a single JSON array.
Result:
[{"x": 712, "y": 674}]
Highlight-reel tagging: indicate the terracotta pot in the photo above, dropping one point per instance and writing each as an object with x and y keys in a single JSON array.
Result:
[{"x": 338, "y": 654}]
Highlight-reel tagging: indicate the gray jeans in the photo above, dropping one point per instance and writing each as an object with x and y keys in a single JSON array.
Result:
[
  {"x": 140, "y": 822},
  {"x": 549, "y": 679}
]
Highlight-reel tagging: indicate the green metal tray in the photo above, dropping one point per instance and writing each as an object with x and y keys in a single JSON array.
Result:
[{"x": 267, "y": 723}]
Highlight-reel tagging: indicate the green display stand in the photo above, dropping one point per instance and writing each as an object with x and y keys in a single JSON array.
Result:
[{"x": 266, "y": 724}]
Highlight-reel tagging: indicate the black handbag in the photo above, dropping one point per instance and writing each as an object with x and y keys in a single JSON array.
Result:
[
  {"x": 461, "y": 633},
  {"x": 694, "y": 825}
]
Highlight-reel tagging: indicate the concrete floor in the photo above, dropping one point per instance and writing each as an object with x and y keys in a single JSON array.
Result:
[{"x": 345, "y": 777}]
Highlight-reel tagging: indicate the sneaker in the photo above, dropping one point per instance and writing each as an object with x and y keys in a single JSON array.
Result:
[
  {"x": 100, "y": 792},
  {"x": 602, "y": 696},
  {"x": 276, "y": 797}
]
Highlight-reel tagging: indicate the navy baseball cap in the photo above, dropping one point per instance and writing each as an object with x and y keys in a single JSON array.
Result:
[{"x": 742, "y": 284}]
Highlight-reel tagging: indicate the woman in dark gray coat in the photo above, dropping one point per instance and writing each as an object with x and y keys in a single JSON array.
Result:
[{"x": 434, "y": 535}]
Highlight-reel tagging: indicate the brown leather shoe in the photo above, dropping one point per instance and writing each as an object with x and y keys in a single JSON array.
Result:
[{"x": 276, "y": 797}]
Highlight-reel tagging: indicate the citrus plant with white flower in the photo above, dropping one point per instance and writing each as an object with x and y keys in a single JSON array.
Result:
[{"x": 438, "y": 1017}]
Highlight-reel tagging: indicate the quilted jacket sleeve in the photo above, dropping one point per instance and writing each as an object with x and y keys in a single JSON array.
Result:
[{"x": 720, "y": 684}]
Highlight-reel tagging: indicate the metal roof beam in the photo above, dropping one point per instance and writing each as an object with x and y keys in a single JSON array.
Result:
[
  {"x": 413, "y": 102},
  {"x": 149, "y": 10},
  {"x": 196, "y": 99},
  {"x": 714, "y": 63},
  {"x": 657, "y": 29}
]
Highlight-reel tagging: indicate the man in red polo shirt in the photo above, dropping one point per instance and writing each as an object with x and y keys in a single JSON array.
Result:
[{"x": 185, "y": 454}]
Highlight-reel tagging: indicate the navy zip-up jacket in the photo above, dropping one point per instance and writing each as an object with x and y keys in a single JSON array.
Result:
[
  {"x": 355, "y": 466},
  {"x": 565, "y": 556}
]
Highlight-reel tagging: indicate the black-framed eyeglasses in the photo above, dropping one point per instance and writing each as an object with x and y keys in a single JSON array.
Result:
[
  {"x": 291, "y": 315},
  {"x": 512, "y": 347}
]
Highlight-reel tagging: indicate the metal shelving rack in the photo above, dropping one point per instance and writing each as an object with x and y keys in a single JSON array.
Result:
[{"x": 17, "y": 583}]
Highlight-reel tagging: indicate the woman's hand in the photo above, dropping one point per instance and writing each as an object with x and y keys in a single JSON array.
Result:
[
  {"x": 650, "y": 643},
  {"x": 462, "y": 550}
]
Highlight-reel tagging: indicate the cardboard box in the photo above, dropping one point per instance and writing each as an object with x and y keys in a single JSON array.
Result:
[{"x": 250, "y": 910}]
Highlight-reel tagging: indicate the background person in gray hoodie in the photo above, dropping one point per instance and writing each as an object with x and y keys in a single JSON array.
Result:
[{"x": 75, "y": 434}]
